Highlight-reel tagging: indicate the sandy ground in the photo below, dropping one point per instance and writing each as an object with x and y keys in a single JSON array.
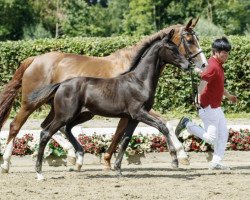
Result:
[{"x": 154, "y": 179}]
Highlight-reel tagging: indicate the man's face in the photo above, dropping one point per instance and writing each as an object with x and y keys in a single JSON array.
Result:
[{"x": 222, "y": 56}]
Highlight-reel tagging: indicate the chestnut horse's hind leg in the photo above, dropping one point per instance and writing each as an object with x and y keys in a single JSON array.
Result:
[
  {"x": 116, "y": 139},
  {"x": 15, "y": 126},
  {"x": 131, "y": 125}
]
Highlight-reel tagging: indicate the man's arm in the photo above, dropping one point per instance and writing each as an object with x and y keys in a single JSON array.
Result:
[
  {"x": 201, "y": 87},
  {"x": 232, "y": 98}
]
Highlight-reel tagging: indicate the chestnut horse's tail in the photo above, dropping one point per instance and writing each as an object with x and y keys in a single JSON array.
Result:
[
  {"x": 10, "y": 91},
  {"x": 43, "y": 94}
]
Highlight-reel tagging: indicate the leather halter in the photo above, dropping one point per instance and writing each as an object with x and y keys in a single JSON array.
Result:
[{"x": 183, "y": 41}]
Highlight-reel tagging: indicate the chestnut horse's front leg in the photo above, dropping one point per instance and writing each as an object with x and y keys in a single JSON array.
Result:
[
  {"x": 115, "y": 141},
  {"x": 129, "y": 130}
]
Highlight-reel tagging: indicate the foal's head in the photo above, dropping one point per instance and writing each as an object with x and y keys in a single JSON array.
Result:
[{"x": 169, "y": 52}]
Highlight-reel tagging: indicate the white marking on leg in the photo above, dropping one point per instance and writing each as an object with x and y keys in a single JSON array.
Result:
[
  {"x": 40, "y": 177},
  {"x": 181, "y": 154},
  {"x": 79, "y": 159},
  {"x": 177, "y": 144},
  {"x": 7, "y": 156},
  {"x": 65, "y": 144}
]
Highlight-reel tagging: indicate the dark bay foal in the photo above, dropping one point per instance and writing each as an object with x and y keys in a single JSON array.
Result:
[{"x": 130, "y": 95}]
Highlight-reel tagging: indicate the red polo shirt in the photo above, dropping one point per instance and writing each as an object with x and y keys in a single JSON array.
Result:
[{"x": 213, "y": 93}]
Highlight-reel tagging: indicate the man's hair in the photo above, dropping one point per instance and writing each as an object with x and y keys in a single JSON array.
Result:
[{"x": 221, "y": 44}]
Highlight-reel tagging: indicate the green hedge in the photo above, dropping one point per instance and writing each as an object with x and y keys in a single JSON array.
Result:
[{"x": 174, "y": 91}]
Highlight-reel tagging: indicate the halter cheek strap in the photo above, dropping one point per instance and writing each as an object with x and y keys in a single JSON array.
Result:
[{"x": 190, "y": 57}]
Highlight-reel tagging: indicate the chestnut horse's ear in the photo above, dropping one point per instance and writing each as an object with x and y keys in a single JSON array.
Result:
[
  {"x": 196, "y": 21},
  {"x": 189, "y": 24}
]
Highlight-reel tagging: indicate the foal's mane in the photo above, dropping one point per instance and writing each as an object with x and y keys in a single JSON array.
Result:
[
  {"x": 139, "y": 49},
  {"x": 140, "y": 54}
]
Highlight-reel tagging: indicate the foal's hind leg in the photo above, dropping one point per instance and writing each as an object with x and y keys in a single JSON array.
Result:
[
  {"x": 15, "y": 126},
  {"x": 82, "y": 117},
  {"x": 46, "y": 135},
  {"x": 66, "y": 145},
  {"x": 116, "y": 139}
]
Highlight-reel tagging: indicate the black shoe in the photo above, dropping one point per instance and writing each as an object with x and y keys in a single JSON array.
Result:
[{"x": 181, "y": 125}]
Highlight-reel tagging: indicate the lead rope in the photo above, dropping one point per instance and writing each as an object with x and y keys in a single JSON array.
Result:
[{"x": 194, "y": 90}]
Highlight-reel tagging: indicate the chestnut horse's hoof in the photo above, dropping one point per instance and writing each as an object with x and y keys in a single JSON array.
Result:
[
  {"x": 107, "y": 165},
  {"x": 106, "y": 168}
]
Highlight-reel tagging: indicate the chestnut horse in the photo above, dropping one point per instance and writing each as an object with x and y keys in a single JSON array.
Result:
[
  {"x": 130, "y": 96},
  {"x": 55, "y": 67}
]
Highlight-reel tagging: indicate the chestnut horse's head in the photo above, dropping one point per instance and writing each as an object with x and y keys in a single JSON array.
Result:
[{"x": 188, "y": 44}]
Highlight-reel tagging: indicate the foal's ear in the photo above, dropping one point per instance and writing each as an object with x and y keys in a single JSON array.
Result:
[
  {"x": 196, "y": 21},
  {"x": 189, "y": 24},
  {"x": 170, "y": 35}
]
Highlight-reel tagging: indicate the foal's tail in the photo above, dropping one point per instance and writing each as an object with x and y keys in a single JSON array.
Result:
[
  {"x": 43, "y": 94},
  {"x": 10, "y": 91}
]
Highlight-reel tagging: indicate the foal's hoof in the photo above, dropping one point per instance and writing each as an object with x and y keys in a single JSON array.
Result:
[
  {"x": 209, "y": 156},
  {"x": 40, "y": 177},
  {"x": 78, "y": 167},
  {"x": 175, "y": 164},
  {"x": 71, "y": 160},
  {"x": 119, "y": 173},
  {"x": 4, "y": 170}
]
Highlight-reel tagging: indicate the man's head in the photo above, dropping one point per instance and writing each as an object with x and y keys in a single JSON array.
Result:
[{"x": 221, "y": 48}]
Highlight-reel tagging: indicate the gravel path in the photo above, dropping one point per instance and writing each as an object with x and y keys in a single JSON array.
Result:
[{"x": 154, "y": 179}]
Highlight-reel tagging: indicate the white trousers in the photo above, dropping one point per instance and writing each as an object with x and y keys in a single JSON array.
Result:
[{"x": 214, "y": 132}]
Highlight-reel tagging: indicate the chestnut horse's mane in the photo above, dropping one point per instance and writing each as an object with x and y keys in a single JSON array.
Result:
[{"x": 132, "y": 51}]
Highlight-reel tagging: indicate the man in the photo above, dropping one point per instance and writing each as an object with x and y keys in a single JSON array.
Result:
[{"x": 211, "y": 91}]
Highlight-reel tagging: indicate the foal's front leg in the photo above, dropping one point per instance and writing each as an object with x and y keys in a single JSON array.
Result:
[
  {"x": 132, "y": 124},
  {"x": 181, "y": 154},
  {"x": 145, "y": 117}
]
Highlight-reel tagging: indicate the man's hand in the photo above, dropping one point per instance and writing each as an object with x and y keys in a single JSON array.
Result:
[{"x": 232, "y": 98}]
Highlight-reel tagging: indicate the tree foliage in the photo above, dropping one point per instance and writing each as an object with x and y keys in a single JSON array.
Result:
[{"x": 19, "y": 19}]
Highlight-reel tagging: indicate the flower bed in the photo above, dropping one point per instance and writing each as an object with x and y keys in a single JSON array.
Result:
[{"x": 139, "y": 144}]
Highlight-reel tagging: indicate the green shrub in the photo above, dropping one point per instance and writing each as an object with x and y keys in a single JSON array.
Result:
[{"x": 174, "y": 90}]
